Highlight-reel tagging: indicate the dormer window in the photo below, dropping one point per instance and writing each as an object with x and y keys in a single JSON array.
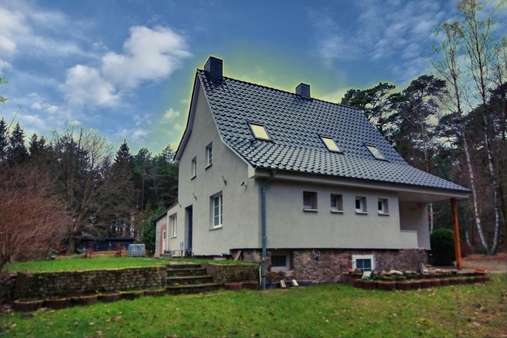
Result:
[
  {"x": 259, "y": 132},
  {"x": 375, "y": 152},
  {"x": 331, "y": 144}
]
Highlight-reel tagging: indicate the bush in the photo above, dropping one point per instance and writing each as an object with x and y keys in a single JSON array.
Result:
[{"x": 442, "y": 247}]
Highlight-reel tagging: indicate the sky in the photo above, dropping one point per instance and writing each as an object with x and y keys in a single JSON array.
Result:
[{"x": 125, "y": 68}]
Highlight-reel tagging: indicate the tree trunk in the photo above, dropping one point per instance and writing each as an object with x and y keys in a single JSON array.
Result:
[{"x": 471, "y": 177}]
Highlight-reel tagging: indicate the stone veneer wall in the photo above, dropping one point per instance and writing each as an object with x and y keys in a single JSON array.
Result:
[
  {"x": 47, "y": 284},
  {"x": 328, "y": 265}
]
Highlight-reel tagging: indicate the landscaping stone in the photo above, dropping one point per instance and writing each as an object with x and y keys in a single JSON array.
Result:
[
  {"x": 233, "y": 286},
  {"x": 57, "y": 303},
  {"x": 252, "y": 285},
  {"x": 109, "y": 297},
  {"x": 155, "y": 292},
  {"x": 85, "y": 299},
  {"x": 27, "y": 305}
]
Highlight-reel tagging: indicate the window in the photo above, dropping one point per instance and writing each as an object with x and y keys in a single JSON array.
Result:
[
  {"x": 216, "y": 205},
  {"x": 331, "y": 144},
  {"x": 280, "y": 262},
  {"x": 383, "y": 206},
  {"x": 375, "y": 152},
  {"x": 361, "y": 207},
  {"x": 172, "y": 225},
  {"x": 363, "y": 262},
  {"x": 193, "y": 168},
  {"x": 309, "y": 201},
  {"x": 209, "y": 155},
  {"x": 336, "y": 203},
  {"x": 259, "y": 132}
]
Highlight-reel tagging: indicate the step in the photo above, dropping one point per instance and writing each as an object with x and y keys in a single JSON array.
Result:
[
  {"x": 186, "y": 280},
  {"x": 183, "y": 265},
  {"x": 186, "y": 272},
  {"x": 192, "y": 288}
]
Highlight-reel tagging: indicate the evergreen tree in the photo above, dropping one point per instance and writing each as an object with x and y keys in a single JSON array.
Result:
[
  {"x": 4, "y": 140},
  {"x": 17, "y": 152}
]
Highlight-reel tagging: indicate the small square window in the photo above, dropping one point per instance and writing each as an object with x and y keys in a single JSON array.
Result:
[
  {"x": 336, "y": 203},
  {"x": 216, "y": 206},
  {"x": 383, "y": 206},
  {"x": 259, "y": 131},
  {"x": 193, "y": 168},
  {"x": 280, "y": 262},
  {"x": 331, "y": 144},
  {"x": 363, "y": 262},
  {"x": 309, "y": 200},
  {"x": 209, "y": 154},
  {"x": 375, "y": 152},
  {"x": 361, "y": 207}
]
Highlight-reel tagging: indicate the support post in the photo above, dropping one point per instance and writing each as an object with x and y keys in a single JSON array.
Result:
[{"x": 456, "y": 233}]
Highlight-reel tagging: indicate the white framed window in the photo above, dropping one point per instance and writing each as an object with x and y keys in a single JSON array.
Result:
[
  {"x": 363, "y": 262},
  {"x": 209, "y": 155},
  {"x": 193, "y": 168},
  {"x": 331, "y": 144},
  {"x": 259, "y": 131},
  {"x": 336, "y": 203},
  {"x": 216, "y": 206},
  {"x": 280, "y": 262},
  {"x": 383, "y": 206},
  {"x": 361, "y": 206},
  {"x": 173, "y": 225},
  {"x": 375, "y": 152},
  {"x": 309, "y": 201}
]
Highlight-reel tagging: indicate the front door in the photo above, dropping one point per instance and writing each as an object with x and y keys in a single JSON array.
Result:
[{"x": 188, "y": 230}]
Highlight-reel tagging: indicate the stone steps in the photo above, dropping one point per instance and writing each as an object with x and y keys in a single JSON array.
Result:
[
  {"x": 186, "y": 280},
  {"x": 192, "y": 288}
]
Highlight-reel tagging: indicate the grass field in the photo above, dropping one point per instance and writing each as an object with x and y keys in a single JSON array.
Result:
[
  {"x": 77, "y": 263},
  {"x": 332, "y": 310}
]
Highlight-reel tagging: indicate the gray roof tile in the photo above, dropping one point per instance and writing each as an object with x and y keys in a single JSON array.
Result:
[{"x": 295, "y": 125}]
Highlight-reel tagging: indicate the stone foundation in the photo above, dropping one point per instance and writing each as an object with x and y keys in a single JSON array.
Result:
[{"x": 329, "y": 265}]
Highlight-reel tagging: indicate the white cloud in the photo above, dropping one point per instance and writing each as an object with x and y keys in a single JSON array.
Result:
[
  {"x": 85, "y": 85},
  {"x": 171, "y": 114},
  {"x": 149, "y": 54}
]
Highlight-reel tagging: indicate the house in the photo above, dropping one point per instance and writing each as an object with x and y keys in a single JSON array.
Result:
[{"x": 310, "y": 185}]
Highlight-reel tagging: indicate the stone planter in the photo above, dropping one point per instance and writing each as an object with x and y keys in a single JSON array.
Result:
[
  {"x": 386, "y": 285},
  {"x": 109, "y": 297},
  {"x": 405, "y": 285},
  {"x": 252, "y": 285},
  {"x": 57, "y": 303},
  {"x": 85, "y": 300},
  {"x": 155, "y": 292},
  {"x": 425, "y": 283},
  {"x": 129, "y": 295},
  {"x": 233, "y": 286}
]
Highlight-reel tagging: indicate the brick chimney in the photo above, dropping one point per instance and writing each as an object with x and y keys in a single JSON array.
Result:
[
  {"x": 214, "y": 68},
  {"x": 303, "y": 90}
]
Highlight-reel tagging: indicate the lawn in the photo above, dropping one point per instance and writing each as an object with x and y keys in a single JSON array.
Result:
[
  {"x": 77, "y": 263},
  {"x": 320, "y": 311}
]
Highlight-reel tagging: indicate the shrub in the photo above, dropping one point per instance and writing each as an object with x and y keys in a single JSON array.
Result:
[{"x": 442, "y": 247}]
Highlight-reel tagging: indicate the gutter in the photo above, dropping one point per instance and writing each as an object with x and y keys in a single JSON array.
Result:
[{"x": 263, "y": 184}]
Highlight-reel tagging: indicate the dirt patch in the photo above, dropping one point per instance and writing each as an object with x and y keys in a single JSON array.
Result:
[{"x": 496, "y": 263}]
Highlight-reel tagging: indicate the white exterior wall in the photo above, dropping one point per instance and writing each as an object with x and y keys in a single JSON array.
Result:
[
  {"x": 414, "y": 217},
  {"x": 290, "y": 227},
  {"x": 160, "y": 227},
  {"x": 228, "y": 174}
]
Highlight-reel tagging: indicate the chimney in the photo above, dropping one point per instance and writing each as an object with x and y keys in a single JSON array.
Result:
[
  {"x": 214, "y": 68},
  {"x": 303, "y": 90}
]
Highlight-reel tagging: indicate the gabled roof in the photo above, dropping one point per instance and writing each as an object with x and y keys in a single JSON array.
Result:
[{"x": 296, "y": 125}]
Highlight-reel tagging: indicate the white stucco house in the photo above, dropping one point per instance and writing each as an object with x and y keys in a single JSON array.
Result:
[{"x": 310, "y": 185}]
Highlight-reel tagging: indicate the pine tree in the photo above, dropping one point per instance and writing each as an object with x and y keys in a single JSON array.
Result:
[
  {"x": 4, "y": 140},
  {"x": 17, "y": 152}
]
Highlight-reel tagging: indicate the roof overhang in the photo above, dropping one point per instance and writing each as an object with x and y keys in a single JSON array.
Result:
[{"x": 407, "y": 193}]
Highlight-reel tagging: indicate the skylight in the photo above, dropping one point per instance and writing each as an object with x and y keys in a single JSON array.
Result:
[
  {"x": 375, "y": 152},
  {"x": 259, "y": 132},
  {"x": 331, "y": 144}
]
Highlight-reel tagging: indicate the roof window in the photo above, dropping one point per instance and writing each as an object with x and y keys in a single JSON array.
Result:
[
  {"x": 375, "y": 152},
  {"x": 259, "y": 132},
  {"x": 331, "y": 144}
]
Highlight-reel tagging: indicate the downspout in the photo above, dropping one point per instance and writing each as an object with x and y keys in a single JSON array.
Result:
[{"x": 264, "y": 236}]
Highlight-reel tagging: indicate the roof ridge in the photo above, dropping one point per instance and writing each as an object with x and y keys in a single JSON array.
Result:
[{"x": 287, "y": 92}]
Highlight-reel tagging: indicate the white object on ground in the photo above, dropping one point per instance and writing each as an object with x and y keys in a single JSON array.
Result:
[{"x": 295, "y": 283}]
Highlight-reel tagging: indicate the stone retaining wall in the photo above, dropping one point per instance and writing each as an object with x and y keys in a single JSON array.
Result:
[
  {"x": 233, "y": 273},
  {"x": 47, "y": 284}
]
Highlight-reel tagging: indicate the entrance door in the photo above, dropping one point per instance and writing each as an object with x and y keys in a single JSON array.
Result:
[{"x": 188, "y": 230}]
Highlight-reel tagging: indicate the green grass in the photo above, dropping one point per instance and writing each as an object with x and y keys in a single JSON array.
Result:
[
  {"x": 77, "y": 263},
  {"x": 321, "y": 311}
]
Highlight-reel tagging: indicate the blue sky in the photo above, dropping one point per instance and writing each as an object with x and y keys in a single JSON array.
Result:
[{"x": 126, "y": 68}]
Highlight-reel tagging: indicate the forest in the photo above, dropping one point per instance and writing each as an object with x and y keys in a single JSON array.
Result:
[{"x": 60, "y": 189}]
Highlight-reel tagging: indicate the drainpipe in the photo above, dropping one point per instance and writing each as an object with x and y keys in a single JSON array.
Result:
[{"x": 264, "y": 236}]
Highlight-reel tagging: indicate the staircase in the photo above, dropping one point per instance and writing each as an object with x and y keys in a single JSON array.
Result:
[{"x": 188, "y": 278}]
